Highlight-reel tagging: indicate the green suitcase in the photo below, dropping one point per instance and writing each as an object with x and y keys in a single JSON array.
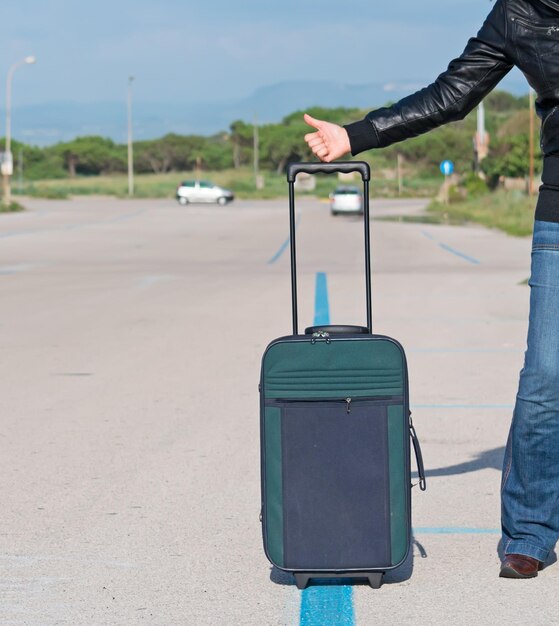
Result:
[{"x": 335, "y": 440}]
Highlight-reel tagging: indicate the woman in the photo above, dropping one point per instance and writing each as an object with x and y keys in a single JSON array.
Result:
[{"x": 524, "y": 33}]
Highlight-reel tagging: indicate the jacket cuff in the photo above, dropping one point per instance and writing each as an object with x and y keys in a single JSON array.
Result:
[{"x": 362, "y": 136}]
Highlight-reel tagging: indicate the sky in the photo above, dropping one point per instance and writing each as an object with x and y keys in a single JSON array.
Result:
[{"x": 195, "y": 51}]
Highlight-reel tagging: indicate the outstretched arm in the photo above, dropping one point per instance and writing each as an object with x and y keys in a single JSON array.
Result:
[{"x": 468, "y": 79}]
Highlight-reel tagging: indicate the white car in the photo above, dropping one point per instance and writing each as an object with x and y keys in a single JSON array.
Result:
[
  {"x": 202, "y": 191},
  {"x": 346, "y": 199}
]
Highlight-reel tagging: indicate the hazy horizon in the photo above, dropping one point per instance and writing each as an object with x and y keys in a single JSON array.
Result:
[
  {"x": 191, "y": 52},
  {"x": 198, "y": 66}
]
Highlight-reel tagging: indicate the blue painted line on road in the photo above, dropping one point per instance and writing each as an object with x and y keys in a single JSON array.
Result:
[
  {"x": 451, "y": 530},
  {"x": 285, "y": 244},
  {"x": 474, "y": 407},
  {"x": 112, "y": 220},
  {"x": 321, "y": 306},
  {"x": 327, "y": 605},
  {"x": 15, "y": 233},
  {"x": 9, "y": 270},
  {"x": 457, "y": 253},
  {"x": 77, "y": 226},
  {"x": 126, "y": 216},
  {"x": 330, "y": 604},
  {"x": 448, "y": 248},
  {"x": 465, "y": 350}
]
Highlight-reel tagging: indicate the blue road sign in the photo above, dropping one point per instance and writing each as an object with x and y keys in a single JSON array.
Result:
[{"x": 447, "y": 167}]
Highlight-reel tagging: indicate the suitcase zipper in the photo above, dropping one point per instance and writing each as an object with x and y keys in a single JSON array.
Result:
[{"x": 348, "y": 401}]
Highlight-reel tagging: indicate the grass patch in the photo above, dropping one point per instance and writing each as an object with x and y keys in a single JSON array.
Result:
[
  {"x": 13, "y": 207},
  {"x": 50, "y": 193},
  {"x": 153, "y": 185},
  {"x": 240, "y": 181},
  {"x": 414, "y": 187},
  {"x": 509, "y": 211},
  {"x": 430, "y": 218}
]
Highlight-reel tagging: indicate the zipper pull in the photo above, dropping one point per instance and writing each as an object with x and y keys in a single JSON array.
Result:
[
  {"x": 320, "y": 334},
  {"x": 348, "y": 402}
]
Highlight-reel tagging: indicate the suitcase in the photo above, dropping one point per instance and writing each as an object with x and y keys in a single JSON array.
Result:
[{"x": 335, "y": 432}]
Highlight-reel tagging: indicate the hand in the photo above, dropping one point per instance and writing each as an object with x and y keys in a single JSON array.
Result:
[{"x": 330, "y": 142}]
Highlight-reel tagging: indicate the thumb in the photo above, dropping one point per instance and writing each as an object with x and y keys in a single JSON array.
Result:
[{"x": 311, "y": 121}]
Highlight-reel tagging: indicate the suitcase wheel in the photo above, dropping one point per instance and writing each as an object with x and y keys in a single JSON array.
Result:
[
  {"x": 374, "y": 578},
  {"x": 302, "y": 580}
]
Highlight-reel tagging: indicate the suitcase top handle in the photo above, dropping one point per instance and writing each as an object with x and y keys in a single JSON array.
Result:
[{"x": 328, "y": 168}]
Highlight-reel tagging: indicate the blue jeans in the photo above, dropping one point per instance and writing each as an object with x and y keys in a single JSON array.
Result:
[{"x": 530, "y": 484}]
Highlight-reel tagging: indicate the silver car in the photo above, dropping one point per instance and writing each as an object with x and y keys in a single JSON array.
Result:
[
  {"x": 202, "y": 191},
  {"x": 346, "y": 199}
]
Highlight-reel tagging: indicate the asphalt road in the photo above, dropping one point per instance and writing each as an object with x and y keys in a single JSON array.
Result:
[{"x": 131, "y": 334}]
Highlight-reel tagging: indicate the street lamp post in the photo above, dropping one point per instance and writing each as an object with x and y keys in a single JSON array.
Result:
[
  {"x": 7, "y": 163},
  {"x": 130, "y": 150}
]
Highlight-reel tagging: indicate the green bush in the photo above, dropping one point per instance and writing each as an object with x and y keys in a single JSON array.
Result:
[
  {"x": 455, "y": 194},
  {"x": 509, "y": 157},
  {"x": 474, "y": 186}
]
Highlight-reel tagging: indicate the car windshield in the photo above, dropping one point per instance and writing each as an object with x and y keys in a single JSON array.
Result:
[{"x": 343, "y": 191}]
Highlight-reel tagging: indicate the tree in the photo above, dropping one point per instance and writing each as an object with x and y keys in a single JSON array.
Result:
[
  {"x": 509, "y": 157},
  {"x": 504, "y": 102},
  {"x": 38, "y": 163},
  {"x": 179, "y": 152},
  {"x": 217, "y": 154},
  {"x": 92, "y": 155},
  {"x": 241, "y": 142},
  {"x": 281, "y": 144}
]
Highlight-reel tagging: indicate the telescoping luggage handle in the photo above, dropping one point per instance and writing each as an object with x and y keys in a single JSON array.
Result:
[{"x": 344, "y": 167}]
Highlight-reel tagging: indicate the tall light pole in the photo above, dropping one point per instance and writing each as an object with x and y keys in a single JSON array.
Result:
[
  {"x": 258, "y": 178},
  {"x": 481, "y": 139},
  {"x": 130, "y": 150},
  {"x": 8, "y": 162}
]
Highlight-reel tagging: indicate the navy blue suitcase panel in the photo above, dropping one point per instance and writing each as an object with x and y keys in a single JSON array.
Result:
[{"x": 335, "y": 485}]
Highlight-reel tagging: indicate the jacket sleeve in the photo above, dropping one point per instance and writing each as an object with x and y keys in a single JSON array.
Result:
[{"x": 459, "y": 89}]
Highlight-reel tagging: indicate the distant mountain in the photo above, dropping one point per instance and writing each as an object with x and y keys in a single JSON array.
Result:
[{"x": 43, "y": 124}]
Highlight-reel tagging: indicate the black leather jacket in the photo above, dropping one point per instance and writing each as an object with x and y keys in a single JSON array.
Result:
[{"x": 524, "y": 33}]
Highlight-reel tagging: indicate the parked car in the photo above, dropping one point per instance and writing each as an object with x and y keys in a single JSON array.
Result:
[
  {"x": 346, "y": 199},
  {"x": 202, "y": 191}
]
